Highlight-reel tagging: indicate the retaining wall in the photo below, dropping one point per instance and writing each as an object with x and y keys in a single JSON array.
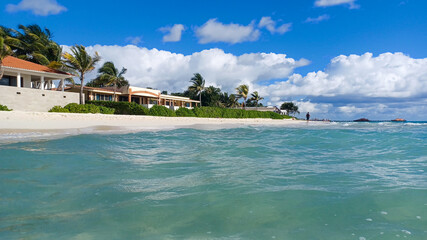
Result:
[{"x": 35, "y": 100}]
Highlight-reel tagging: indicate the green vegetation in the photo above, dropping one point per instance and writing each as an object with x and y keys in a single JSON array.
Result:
[
  {"x": 157, "y": 110},
  {"x": 5, "y": 51},
  {"x": 59, "y": 109},
  {"x": 82, "y": 108},
  {"x": 80, "y": 62},
  {"x": 198, "y": 85},
  {"x": 109, "y": 75},
  {"x": 216, "y": 112},
  {"x": 184, "y": 112},
  {"x": 34, "y": 44},
  {"x": 123, "y": 108},
  {"x": 289, "y": 107},
  {"x": 4, "y": 108},
  {"x": 126, "y": 108}
]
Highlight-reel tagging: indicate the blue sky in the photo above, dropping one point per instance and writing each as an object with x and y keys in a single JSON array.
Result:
[{"x": 313, "y": 33}]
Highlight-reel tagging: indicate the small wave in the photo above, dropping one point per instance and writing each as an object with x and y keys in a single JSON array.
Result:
[{"x": 415, "y": 124}]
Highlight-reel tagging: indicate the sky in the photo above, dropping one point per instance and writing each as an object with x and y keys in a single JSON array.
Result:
[{"x": 337, "y": 59}]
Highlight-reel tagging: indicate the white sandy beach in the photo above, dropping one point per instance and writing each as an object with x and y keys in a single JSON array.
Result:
[{"x": 23, "y": 125}]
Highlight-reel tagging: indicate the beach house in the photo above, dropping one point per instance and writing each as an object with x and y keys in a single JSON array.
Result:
[
  {"x": 146, "y": 97},
  {"x": 27, "y": 86}
]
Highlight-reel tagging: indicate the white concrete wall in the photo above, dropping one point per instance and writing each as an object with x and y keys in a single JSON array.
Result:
[{"x": 33, "y": 99}]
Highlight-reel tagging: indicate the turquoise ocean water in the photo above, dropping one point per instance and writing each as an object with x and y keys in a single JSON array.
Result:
[{"x": 339, "y": 181}]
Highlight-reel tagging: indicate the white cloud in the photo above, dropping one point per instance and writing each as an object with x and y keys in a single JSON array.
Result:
[
  {"x": 318, "y": 19},
  {"x": 134, "y": 40},
  {"x": 38, "y": 7},
  {"x": 362, "y": 82},
  {"x": 328, "y": 3},
  {"x": 171, "y": 71},
  {"x": 270, "y": 25},
  {"x": 385, "y": 76},
  {"x": 173, "y": 34},
  {"x": 214, "y": 31}
]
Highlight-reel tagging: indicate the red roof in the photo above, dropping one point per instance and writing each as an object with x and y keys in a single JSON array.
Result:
[{"x": 14, "y": 62}]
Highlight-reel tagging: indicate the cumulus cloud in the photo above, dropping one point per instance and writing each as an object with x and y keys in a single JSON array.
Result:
[
  {"x": 37, "y": 7},
  {"x": 328, "y": 3},
  {"x": 270, "y": 25},
  {"x": 389, "y": 75},
  {"x": 134, "y": 40},
  {"x": 173, "y": 34},
  {"x": 172, "y": 71},
  {"x": 318, "y": 19},
  {"x": 351, "y": 82},
  {"x": 214, "y": 31}
]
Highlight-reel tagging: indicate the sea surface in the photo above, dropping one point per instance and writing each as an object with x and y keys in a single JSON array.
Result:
[{"x": 337, "y": 181}]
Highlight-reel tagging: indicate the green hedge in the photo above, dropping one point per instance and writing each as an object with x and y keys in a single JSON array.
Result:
[
  {"x": 215, "y": 112},
  {"x": 108, "y": 107},
  {"x": 125, "y": 108},
  {"x": 4, "y": 108},
  {"x": 86, "y": 108},
  {"x": 184, "y": 112},
  {"x": 158, "y": 110},
  {"x": 59, "y": 109}
]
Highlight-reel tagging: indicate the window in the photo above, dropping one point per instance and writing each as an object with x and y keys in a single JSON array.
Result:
[
  {"x": 101, "y": 97},
  {"x": 187, "y": 104},
  {"x": 5, "y": 81}
]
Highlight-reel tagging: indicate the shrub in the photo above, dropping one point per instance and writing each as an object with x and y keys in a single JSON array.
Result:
[
  {"x": 208, "y": 112},
  {"x": 215, "y": 112},
  {"x": 125, "y": 108},
  {"x": 86, "y": 108},
  {"x": 73, "y": 107},
  {"x": 185, "y": 112},
  {"x": 106, "y": 110},
  {"x": 59, "y": 109},
  {"x": 4, "y": 108},
  {"x": 157, "y": 110}
]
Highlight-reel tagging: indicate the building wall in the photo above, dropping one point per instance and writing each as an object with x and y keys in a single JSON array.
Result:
[{"x": 33, "y": 99}]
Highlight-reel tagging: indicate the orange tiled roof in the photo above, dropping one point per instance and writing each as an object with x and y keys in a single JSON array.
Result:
[{"x": 14, "y": 62}]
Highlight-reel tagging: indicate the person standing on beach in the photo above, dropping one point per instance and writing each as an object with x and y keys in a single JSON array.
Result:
[{"x": 307, "y": 116}]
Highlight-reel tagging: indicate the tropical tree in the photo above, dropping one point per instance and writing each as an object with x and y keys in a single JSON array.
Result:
[
  {"x": 32, "y": 43},
  {"x": 212, "y": 97},
  {"x": 256, "y": 98},
  {"x": 289, "y": 107},
  {"x": 80, "y": 62},
  {"x": 243, "y": 92},
  {"x": 231, "y": 100},
  {"x": 4, "y": 52},
  {"x": 111, "y": 76},
  {"x": 198, "y": 85}
]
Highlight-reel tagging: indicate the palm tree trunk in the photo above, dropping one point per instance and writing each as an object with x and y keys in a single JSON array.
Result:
[
  {"x": 1, "y": 71},
  {"x": 81, "y": 89},
  {"x": 114, "y": 96},
  {"x": 200, "y": 98}
]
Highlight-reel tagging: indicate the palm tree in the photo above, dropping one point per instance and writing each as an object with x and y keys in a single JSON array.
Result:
[
  {"x": 256, "y": 98},
  {"x": 242, "y": 92},
  {"x": 233, "y": 101},
  {"x": 36, "y": 45},
  {"x": 198, "y": 85},
  {"x": 81, "y": 63},
  {"x": 4, "y": 52},
  {"x": 110, "y": 75}
]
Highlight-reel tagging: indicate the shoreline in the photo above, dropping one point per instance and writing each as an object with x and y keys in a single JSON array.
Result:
[{"x": 22, "y": 126}]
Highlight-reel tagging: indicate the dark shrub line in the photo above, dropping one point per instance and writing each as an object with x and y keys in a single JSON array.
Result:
[
  {"x": 4, "y": 108},
  {"x": 126, "y": 108}
]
